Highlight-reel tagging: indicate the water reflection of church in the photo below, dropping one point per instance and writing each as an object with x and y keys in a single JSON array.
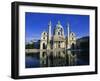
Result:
[
  {"x": 57, "y": 58},
  {"x": 58, "y": 39}
]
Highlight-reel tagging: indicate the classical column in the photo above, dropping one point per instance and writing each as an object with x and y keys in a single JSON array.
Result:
[
  {"x": 49, "y": 36},
  {"x": 68, "y": 40},
  {"x": 49, "y": 31}
]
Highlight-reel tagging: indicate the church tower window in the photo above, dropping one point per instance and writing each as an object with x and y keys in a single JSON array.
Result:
[
  {"x": 43, "y": 37},
  {"x": 58, "y": 33}
]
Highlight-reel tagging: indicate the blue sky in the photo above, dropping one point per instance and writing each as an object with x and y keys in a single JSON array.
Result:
[{"x": 36, "y": 23}]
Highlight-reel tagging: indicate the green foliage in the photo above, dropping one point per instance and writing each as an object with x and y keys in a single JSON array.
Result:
[{"x": 29, "y": 46}]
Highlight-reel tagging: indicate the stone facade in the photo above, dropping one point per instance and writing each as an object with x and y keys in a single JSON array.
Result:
[{"x": 58, "y": 39}]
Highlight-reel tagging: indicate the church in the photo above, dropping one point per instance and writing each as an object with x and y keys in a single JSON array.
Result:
[{"x": 57, "y": 39}]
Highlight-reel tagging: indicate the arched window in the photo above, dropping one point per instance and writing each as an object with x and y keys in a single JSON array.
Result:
[
  {"x": 58, "y": 33},
  {"x": 73, "y": 46},
  {"x": 43, "y": 37},
  {"x": 44, "y": 46},
  {"x": 61, "y": 29}
]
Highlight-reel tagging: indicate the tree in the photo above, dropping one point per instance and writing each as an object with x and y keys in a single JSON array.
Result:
[{"x": 29, "y": 46}]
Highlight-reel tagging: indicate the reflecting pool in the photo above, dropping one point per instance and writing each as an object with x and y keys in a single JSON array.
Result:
[{"x": 57, "y": 58}]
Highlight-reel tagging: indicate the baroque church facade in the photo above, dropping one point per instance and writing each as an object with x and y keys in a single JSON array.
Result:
[{"x": 57, "y": 39}]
